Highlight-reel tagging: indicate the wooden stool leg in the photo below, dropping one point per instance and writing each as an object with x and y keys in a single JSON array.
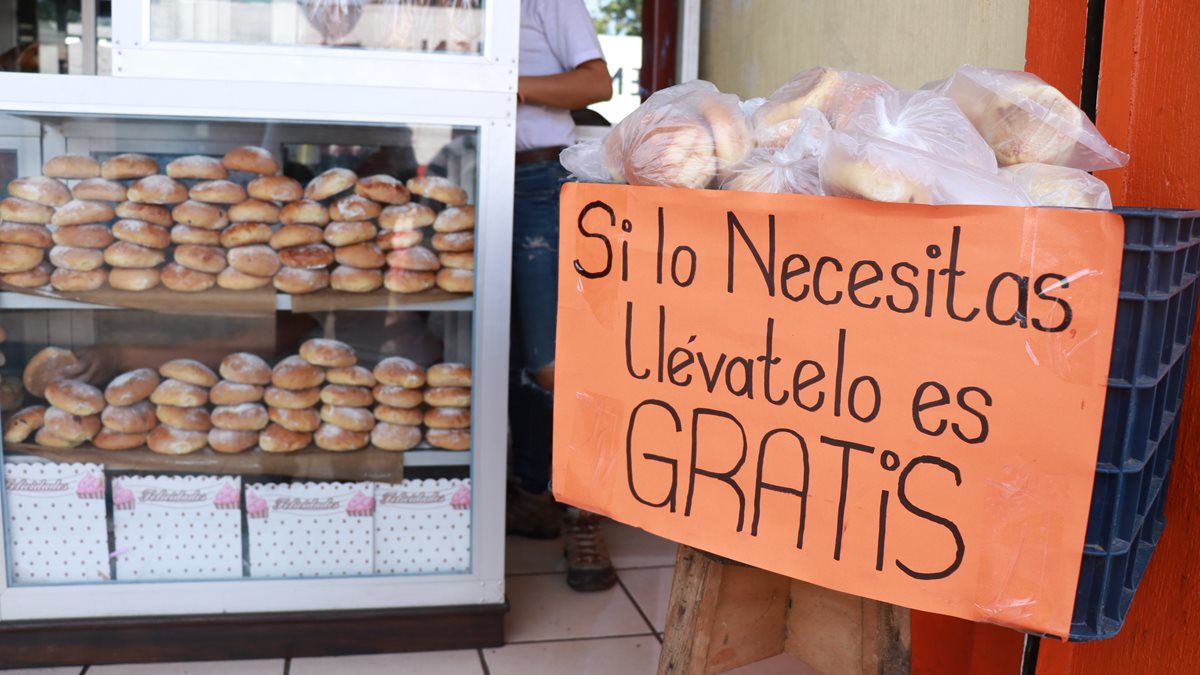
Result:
[{"x": 840, "y": 634}]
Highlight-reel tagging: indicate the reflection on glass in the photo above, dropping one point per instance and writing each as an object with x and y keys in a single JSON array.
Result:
[{"x": 47, "y": 36}]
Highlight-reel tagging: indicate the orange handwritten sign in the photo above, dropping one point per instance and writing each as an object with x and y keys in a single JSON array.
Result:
[{"x": 900, "y": 402}]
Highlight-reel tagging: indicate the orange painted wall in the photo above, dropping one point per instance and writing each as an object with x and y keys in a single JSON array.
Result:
[{"x": 1054, "y": 43}]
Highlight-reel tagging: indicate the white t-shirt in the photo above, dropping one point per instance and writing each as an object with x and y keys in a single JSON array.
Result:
[{"x": 556, "y": 37}]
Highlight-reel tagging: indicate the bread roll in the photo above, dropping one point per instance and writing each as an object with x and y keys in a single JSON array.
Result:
[
  {"x": 458, "y": 261},
  {"x": 350, "y": 419},
  {"x": 136, "y": 418},
  {"x": 132, "y": 256},
  {"x": 16, "y": 258},
  {"x": 197, "y": 167},
  {"x": 233, "y": 280},
  {"x": 40, "y": 190},
  {"x": 439, "y": 189},
  {"x": 448, "y": 397},
  {"x": 100, "y": 190},
  {"x": 74, "y": 428},
  {"x": 231, "y": 442},
  {"x": 330, "y": 183},
  {"x": 71, "y": 166},
  {"x": 250, "y": 159},
  {"x": 22, "y": 425},
  {"x": 245, "y": 234},
  {"x": 201, "y": 215},
  {"x": 389, "y": 240},
  {"x": 134, "y": 279},
  {"x": 454, "y": 242},
  {"x": 209, "y": 259},
  {"x": 448, "y": 375},
  {"x": 304, "y": 420},
  {"x": 347, "y": 233},
  {"x": 296, "y": 235},
  {"x": 189, "y": 371},
  {"x": 129, "y": 165},
  {"x": 48, "y": 365},
  {"x": 168, "y": 441},
  {"x": 158, "y": 190},
  {"x": 409, "y": 216},
  {"x": 151, "y": 213},
  {"x": 217, "y": 192},
  {"x": 448, "y": 418},
  {"x": 64, "y": 257},
  {"x": 80, "y": 212},
  {"x": 232, "y": 393},
  {"x": 277, "y": 439},
  {"x": 240, "y": 417},
  {"x": 275, "y": 189},
  {"x": 328, "y": 353},
  {"x": 416, "y": 258},
  {"x": 191, "y": 419},
  {"x": 448, "y": 439},
  {"x": 455, "y": 219},
  {"x": 307, "y": 257},
  {"x": 179, "y": 278},
  {"x": 456, "y": 281},
  {"x": 304, "y": 212},
  {"x": 83, "y": 236},
  {"x": 297, "y": 281},
  {"x": 354, "y": 207},
  {"x": 1031, "y": 122},
  {"x": 394, "y": 437},
  {"x": 20, "y": 211},
  {"x": 354, "y": 280},
  {"x": 129, "y": 388},
  {"x": 354, "y": 376},
  {"x": 344, "y": 395},
  {"x": 296, "y": 374},
  {"x": 48, "y": 440},
  {"x": 246, "y": 368},
  {"x": 257, "y": 260},
  {"x": 336, "y": 439},
  {"x": 397, "y": 397},
  {"x": 142, "y": 233},
  {"x": 179, "y": 394},
  {"x": 410, "y": 417},
  {"x": 35, "y": 278},
  {"x": 399, "y": 371},
  {"x": 254, "y": 211},
  {"x": 77, "y": 398},
  {"x": 186, "y": 234},
  {"x": 382, "y": 188},
  {"x": 108, "y": 439},
  {"x": 407, "y": 281},
  {"x": 365, "y": 256},
  {"x": 71, "y": 281}
]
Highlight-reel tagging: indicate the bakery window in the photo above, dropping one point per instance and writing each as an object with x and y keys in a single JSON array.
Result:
[{"x": 68, "y": 37}]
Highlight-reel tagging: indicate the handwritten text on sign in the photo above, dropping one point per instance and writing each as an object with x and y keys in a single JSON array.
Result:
[{"x": 900, "y": 402}]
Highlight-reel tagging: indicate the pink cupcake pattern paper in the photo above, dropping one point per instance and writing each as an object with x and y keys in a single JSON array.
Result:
[
  {"x": 46, "y": 501},
  {"x": 228, "y": 497},
  {"x": 256, "y": 507},
  {"x": 123, "y": 499},
  {"x": 423, "y": 526},
  {"x": 91, "y": 486},
  {"x": 314, "y": 529}
]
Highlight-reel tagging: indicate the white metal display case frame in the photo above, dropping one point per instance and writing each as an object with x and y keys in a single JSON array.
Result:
[{"x": 32, "y": 96}]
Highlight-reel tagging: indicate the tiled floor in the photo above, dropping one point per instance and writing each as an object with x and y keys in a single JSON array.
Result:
[{"x": 550, "y": 629}]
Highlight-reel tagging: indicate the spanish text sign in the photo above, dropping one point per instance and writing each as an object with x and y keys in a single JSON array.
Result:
[{"x": 900, "y": 402}]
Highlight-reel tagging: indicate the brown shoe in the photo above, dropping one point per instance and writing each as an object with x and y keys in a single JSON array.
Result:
[
  {"x": 530, "y": 515},
  {"x": 588, "y": 566}
]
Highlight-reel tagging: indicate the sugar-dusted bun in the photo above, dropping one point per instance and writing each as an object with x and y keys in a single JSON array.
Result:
[
  {"x": 396, "y": 396},
  {"x": 48, "y": 365},
  {"x": 413, "y": 417},
  {"x": 296, "y": 235},
  {"x": 394, "y": 437},
  {"x": 245, "y": 234},
  {"x": 365, "y": 256},
  {"x": 328, "y": 353},
  {"x": 345, "y": 395},
  {"x": 129, "y": 165},
  {"x": 233, "y": 280},
  {"x": 408, "y": 216},
  {"x": 458, "y": 261},
  {"x": 197, "y": 167},
  {"x": 448, "y": 397},
  {"x": 456, "y": 281},
  {"x": 21, "y": 211},
  {"x": 307, "y": 257},
  {"x": 181, "y": 394},
  {"x": 382, "y": 188},
  {"x": 347, "y": 233},
  {"x": 1030, "y": 123},
  {"x": 40, "y": 190},
  {"x": 336, "y": 439},
  {"x": 278, "y": 439},
  {"x": 134, "y": 279},
  {"x": 168, "y": 441},
  {"x": 416, "y": 258},
  {"x": 35, "y": 278},
  {"x": 151, "y": 213},
  {"x": 354, "y": 280},
  {"x": 77, "y": 398},
  {"x": 678, "y": 152},
  {"x": 389, "y": 240},
  {"x": 132, "y": 256},
  {"x": 48, "y": 440},
  {"x": 129, "y": 388},
  {"x": 304, "y": 212},
  {"x": 399, "y": 371},
  {"x": 296, "y": 374},
  {"x": 408, "y": 281},
  {"x": 158, "y": 190},
  {"x": 330, "y": 183},
  {"x": 25, "y": 234},
  {"x": 353, "y": 376},
  {"x": 16, "y": 258},
  {"x": 186, "y": 234},
  {"x": 201, "y": 215},
  {"x": 439, "y": 189},
  {"x": 230, "y": 442},
  {"x": 275, "y": 189},
  {"x": 257, "y": 260},
  {"x": 209, "y": 259},
  {"x": 350, "y": 419},
  {"x": 218, "y": 192},
  {"x": 250, "y": 159},
  {"x": 454, "y": 242},
  {"x": 137, "y": 418},
  {"x": 455, "y": 219},
  {"x": 109, "y": 439},
  {"x": 448, "y": 375},
  {"x": 71, "y": 166},
  {"x": 254, "y": 211},
  {"x": 354, "y": 207},
  {"x": 246, "y": 368},
  {"x": 189, "y": 371},
  {"x": 297, "y": 281},
  {"x": 64, "y": 257},
  {"x": 22, "y": 425},
  {"x": 83, "y": 236},
  {"x": 304, "y": 420},
  {"x": 74, "y": 428},
  {"x": 232, "y": 393},
  {"x": 449, "y": 439},
  {"x": 191, "y": 419},
  {"x": 142, "y": 233},
  {"x": 72, "y": 281},
  {"x": 240, "y": 417},
  {"x": 80, "y": 212},
  {"x": 179, "y": 278},
  {"x": 448, "y": 418},
  {"x": 100, "y": 190}
]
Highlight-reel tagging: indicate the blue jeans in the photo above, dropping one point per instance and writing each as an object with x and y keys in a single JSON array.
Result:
[{"x": 534, "y": 312}]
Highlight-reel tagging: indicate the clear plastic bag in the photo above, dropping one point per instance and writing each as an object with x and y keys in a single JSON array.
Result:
[
  {"x": 1050, "y": 185},
  {"x": 924, "y": 120},
  {"x": 585, "y": 160},
  {"x": 836, "y": 93},
  {"x": 792, "y": 170},
  {"x": 867, "y": 167},
  {"x": 333, "y": 19},
  {"x": 1026, "y": 120}
]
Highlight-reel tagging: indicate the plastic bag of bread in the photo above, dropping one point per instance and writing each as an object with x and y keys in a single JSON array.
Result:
[
  {"x": 1026, "y": 120},
  {"x": 585, "y": 161},
  {"x": 837, "y": 93},
  {"x": 1050, "y": 185},
  {"x": 792, "y": 170},
  {"x": 924, "y": 120},
  {"x": 867, "y": 167}
]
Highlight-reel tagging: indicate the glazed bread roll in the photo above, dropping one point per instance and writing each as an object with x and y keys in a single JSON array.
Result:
[
  {"x": 449, "y": 375},
  {"x": 394, "y": 437},
  {"x": 448, "y": 418},
  {"x": 231, "y": 442},
  {"x": 136, "y": 418},
  {"x": 22, "y": 425},
  {"x": 417, "y": 258},
  {"x": 330, "y": 183},
  {"x": 129, "y": 165},
  {"x": 437, "y": 188},
  {"x": 35, "y": 278},
  {"x": 48, "y": 440},
  {"x": 169, "y": 441},
  {"x": 382, "y": 188},
  {"x": 250, "y": 159},
  {"x": 245, "y": 368},
  {"x": 336, "y": 439},
  {"x": 209, "y": 259},
  {"x": 245, "y": 234},
  {"x": 347, "y": 396},
  {"x": 409, "y": 417},
  {"x": 132, "y": 256},
  {"x": 25, "y": 234},
  {"x": 197, "y": 167},
  {"x": 71, "y": 281},
  {"x": 218, "y": 192},
  {"x": 296, "y": 235},
  {"x": 400, "y": 372},
  {"x": 354, "y": 207},
  {"x": 233, "y": 280},
  {"x": 201, "y": 215},
  {"x": 188, "y": 371},
  {"x": 65, "y": 257},
  {"x": 454, "y": 242},
  {"x": 408, "y": 216},
  {"x": 74, "y": 428},
  {"x": 108, "y": 439},
  {"x": 448, "y": 397},
  {"x": 365, "y": 256},
  {"x": 353, "y": 280},
  {"x": 455, "y": 219},
  {"x": 179, "y": 394},
  {"x": 458, "y": 261},
  {"x": 131, "y": 387},
  {"x": 151, "y": 213},
  {"x": 83, "y": 236},
  {"x": 158, "y": 190},
  {"x": 16, "y": 258},
  {"x": 80, "y": 212},
  {"x": 190, "y": 419},
  {"x": 275, "y": 189},
  {"x": 456, "y": 281},
  {"x": 21, "y": 211},
  {"x": 257, "y": 260},
  {"x": 240, "y": 417},
  {"x": 142, "y": 233},
  {"x": 350, "y": 419},
  {"x": 407, "y": 281},
  {"x": 449, "y": 439},
  {"x": 278, "y": 439},
  {"x": 347, "y": 233},
  {"x": 396, "y": 396},
  {"x": 389, "y": 240},
  {"x": 328, "y": 353},
  {"x": 48, "y": 365},
  {"x": 296, "y": 281},
  {"x": 354, "y": 376},
  {"x": 304, "y": 212},
  {"x": 71, "y": 166},
  {"x": 179, "y": 278},
  {"x": 40, "y": 190},
  {"x": 77, "y": 398},
  {"x": 296, "y": 374},
  {"x": 186, "y": 234},
  {"x": 304, "y": 420},
  {"x": 254, "y": 211},
  {"x": 307, "y": 257},
  {"x": 134, "y": 279},
  {"x": 231, "y": 393},
  {"x": 98, "y": 189}
]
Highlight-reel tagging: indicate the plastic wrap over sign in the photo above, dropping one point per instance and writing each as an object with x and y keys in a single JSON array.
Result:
[{"x": 901, "y": 402}]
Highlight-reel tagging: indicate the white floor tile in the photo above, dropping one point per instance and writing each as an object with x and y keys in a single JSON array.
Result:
[
  {"x": 627, "y": 656},
  {"x": 533, "y": 556},
  {"x": 651, "y": 590},
  {"x": 261, "y": 667},
  {"x": 776, "y": 665},
  {"x": 73, "y": 670},
  {"x": 464, "y": 662},
  {"x": 543, "y": 607},
  {"x": 631, "y": 547}
]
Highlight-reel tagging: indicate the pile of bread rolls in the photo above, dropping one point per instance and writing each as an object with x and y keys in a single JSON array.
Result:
[
  {"x": 229, "y": 222},
  {"x": 448, "y": 395}
]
